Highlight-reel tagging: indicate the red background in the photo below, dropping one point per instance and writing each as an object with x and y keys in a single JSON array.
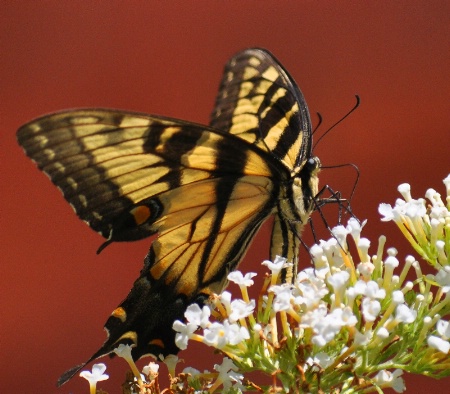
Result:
[{"x": 167, "y": 58}]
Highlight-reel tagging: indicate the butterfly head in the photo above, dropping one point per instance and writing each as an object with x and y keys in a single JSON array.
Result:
[{"x": 305, "y": 187}]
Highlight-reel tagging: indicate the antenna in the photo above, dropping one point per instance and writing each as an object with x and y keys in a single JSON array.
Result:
[
  {"x": 318, "y": 123},
  {"x": 358, "y": 101}
]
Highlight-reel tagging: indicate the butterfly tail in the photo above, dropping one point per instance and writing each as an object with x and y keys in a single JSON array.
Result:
[
  {"x": 144, "y": 321},
  {"x": 69, "y": 374}
]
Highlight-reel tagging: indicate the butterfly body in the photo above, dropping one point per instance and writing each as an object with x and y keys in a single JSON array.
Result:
[{"x": 205, "y": 190}]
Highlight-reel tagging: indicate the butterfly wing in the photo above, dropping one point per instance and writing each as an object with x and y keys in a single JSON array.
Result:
[
  {"x": 131, "y": 175},
  {"x": 260, "y": 102},
  {"x": 111, "y": 166}
]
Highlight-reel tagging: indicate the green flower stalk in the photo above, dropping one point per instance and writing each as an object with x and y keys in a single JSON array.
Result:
[{"x": 352, "y": 323}]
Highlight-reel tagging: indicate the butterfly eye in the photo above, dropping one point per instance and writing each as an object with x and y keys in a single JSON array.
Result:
[{"x": 312, "y": 164}]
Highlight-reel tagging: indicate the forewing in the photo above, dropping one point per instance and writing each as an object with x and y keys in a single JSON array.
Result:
[
  {"x": 260, "y": 102},
  {"x": 112, "y": 166}
]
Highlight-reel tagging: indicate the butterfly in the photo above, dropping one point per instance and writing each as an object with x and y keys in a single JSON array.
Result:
[{"x": 205, "y": 190}]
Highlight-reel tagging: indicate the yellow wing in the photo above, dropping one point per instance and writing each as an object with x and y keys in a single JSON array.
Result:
[
  {"x": 261, "y": 103},
  {"x": 112, "y": 166}
]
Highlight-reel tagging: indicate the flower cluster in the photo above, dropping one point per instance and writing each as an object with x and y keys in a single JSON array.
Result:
[
  {"x": 352, "y": 323},
  {"x": 426, "y": 225}
]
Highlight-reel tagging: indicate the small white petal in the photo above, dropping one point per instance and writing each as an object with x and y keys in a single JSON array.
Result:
[
  {"x": 382, "y": 333},
  {"x": 391, "y": 262},
  {"x": 241, "y": 280},
  {"x": 123, "y": 351},
  {"x": 151, "y": 368},
  {"x": 370, "y": 309},
  {"x": 447, "y": 184},
  {"x": 338, "y": 280},
  {"x": 398, "y": 297},
  {"x": 386, "y": 211},
  {"x": 405, "y": 190},
  {"x": 438, "y": 343},
  {"x": 443, "y": 328},
  {"x": 405, "y": 314},
  {"x": 97, "y": 374}
]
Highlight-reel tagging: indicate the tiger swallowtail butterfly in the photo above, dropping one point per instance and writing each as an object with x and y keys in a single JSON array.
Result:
[{"x": 205, "y": 190}]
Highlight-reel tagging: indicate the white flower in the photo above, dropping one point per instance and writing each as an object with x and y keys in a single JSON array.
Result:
[
  {"x": 184, "y": 333},
  {"x": 123, "y": 351},
  {"x": 439, "y": 212},
  {"x": 438, "y": 343},
  {"x": 404, "y": 314},
  {"x": 326, "y": 326},
  {"x": 366, "y": 269},
  {"x": 228, "y": 373},
  {"x": 339, "y": 280},
  {"x": 387, "y": 212},
  {"x": 191, "y": 371},
  {"x": 391, "y": 262},
  {"x": 240, "y": 310},
  {"x": 215, "y": 336},
  {"x": 318, "y": 257},
  {"x": 171, "y": 361},
  {"x": 346, "y": 316},
  {"x": 415, "y": 209},
  {"x": 241, "y": 280},
  {"x": 370, "y": 309},
  {"x": 313, "y": 275},
  {"x": 225, "y": 299},
  {"x": 405, "y": 190},
  {"x": 369, "y": 289},
  {"x": 321, "y": 359},
  {"x": 220, "y": 335},
  {"x": 150, "y": 369},
  {"x": 382, "y": 333},
  {"x": 310, "y": 288},
  {"x": 447, "y": 184},
  {"x": 362, "y": 339},
  {"x": 197, "y": 316},
  {"x": 443, "y": 328},
  {"x": 235, "y": 333},
  {"x": 340, "y": 232},
  {"x": 354, "y": 227},
  {"x": 363, "y": 246},
  {"x": 391, "y": 379},
  {"x": 277, "y": 265},
  {"x": 283, "y": 295},
  {"x": 398, "y": 297},
  {"x": 237, "y": 378},
  {"x": 311, "y": 317},
  {"x": 96, "y": 375},
  {"x": 443, "y": 278}
]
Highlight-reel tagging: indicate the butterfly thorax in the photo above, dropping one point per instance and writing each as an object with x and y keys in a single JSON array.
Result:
[{"x": 297, "y": 199}]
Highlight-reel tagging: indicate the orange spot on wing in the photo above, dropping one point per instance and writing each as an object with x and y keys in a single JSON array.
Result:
[
  {"x": 157, "y": 342},
  {"x": 140, "y": 214},
  {"x": 120, "y": 313}
]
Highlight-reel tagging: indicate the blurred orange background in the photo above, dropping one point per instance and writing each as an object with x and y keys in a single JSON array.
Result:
[{"x": 167, "y": 58}]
